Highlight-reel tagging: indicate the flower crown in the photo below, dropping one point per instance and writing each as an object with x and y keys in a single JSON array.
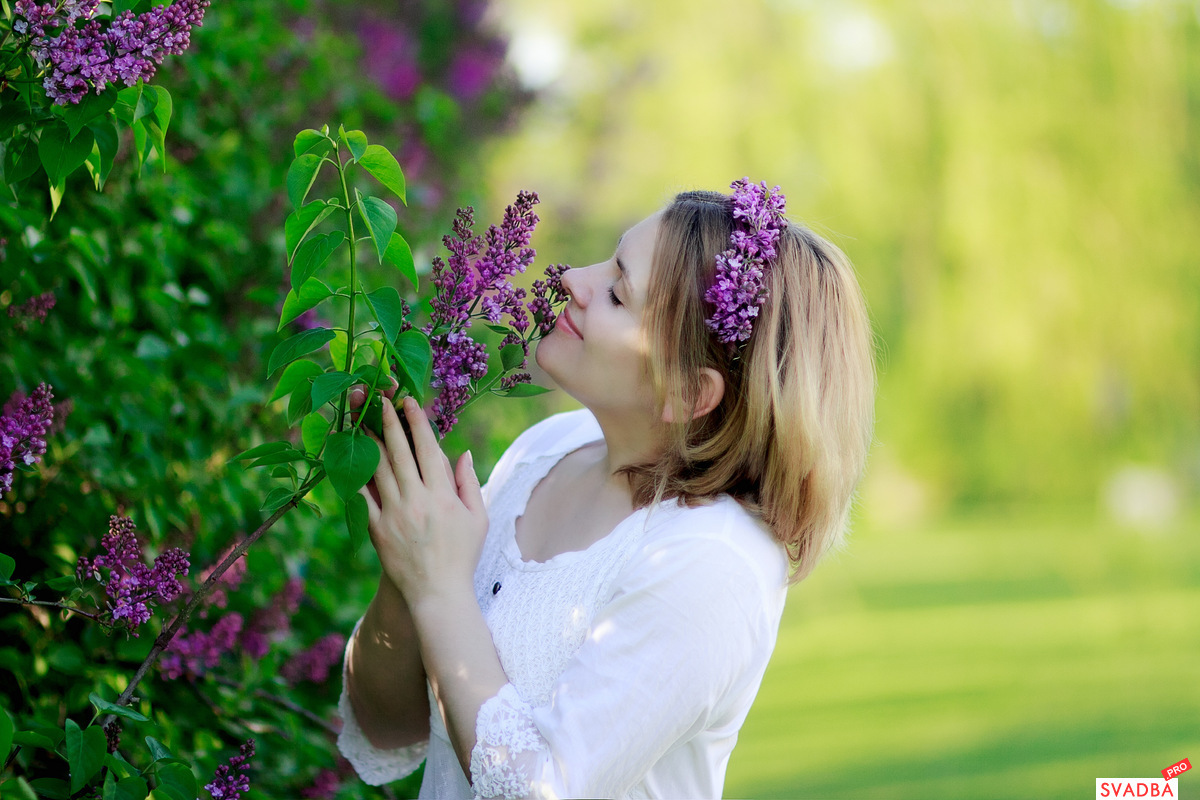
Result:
[{"x": 739, "y": 290}]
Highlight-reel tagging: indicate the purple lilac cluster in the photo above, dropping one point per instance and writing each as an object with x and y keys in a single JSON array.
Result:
[
  {"x": 471, "y": 281},
  {"x": 324, "y": 786},
  {"x": 315, "y": 663},
  {"x": 32, "y": 310},
  {"x": 548, "y": 293},
  {"x": 231, "y": 781},
  {"x": 88, "y": 58},
  {"x": 131, "y": 584},
  {"x": 24, "y": 424},
  {"x": 739, "y": 289},
  {"x": 191, "y": 655}
]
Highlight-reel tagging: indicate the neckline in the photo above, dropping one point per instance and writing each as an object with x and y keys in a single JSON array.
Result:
[{"x": 512, "y": 550}]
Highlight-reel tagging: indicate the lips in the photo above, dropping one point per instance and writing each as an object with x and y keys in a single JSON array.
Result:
[{"x": 567, "y": 324}]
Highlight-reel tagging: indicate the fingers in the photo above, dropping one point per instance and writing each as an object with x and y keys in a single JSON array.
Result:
[
  {"x": 430, "y": 458},
  {"x": 385, "y": 478},
  {"x": 358, "y": 392},
  {"x": 469, "y": 490},
  {"x": 403, "y": 464}
]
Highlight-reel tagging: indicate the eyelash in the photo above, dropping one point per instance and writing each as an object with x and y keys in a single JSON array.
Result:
[{"x": 613, "y": 296}]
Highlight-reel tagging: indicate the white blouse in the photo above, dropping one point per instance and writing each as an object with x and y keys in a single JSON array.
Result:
[{"x": 631, "y": 664}]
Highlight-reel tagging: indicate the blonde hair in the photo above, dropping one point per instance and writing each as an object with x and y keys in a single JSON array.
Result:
[{"x": 789, "y": 438}]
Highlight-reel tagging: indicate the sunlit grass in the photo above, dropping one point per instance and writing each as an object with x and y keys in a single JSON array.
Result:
[{"x": 998, "y": 658}]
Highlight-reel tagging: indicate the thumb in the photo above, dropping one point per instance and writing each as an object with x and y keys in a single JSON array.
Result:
[{"x": 468, "y": 484}]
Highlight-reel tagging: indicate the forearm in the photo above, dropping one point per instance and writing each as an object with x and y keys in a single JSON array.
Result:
[
  {"x": 464, "y": 670},
  {"x": 386, "y": 676}
]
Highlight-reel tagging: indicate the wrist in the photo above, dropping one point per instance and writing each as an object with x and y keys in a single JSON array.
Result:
[{"x": 444, "y": 604}]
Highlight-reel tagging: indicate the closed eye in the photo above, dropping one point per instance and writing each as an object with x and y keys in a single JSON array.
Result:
[{"x": 613, "y": 296}]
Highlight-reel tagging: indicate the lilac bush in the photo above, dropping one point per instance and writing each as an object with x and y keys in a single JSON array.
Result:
[{"x": 23, "y": 427}]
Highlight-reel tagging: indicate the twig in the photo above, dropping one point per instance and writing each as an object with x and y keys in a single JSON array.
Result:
[
  {"x": 18, "y": 601},
  {"x": 205, "y": 589}
]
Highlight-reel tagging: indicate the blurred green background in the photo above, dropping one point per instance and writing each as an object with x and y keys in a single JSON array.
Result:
[{"x": 1018, "y": 610}]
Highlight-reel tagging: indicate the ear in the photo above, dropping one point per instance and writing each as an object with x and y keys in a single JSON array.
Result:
[{"x": 712, "y": 390}]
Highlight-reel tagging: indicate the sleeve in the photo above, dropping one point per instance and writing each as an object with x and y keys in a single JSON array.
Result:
[
  {"x": 374, "y": 765},
  {"x": 691, "y": 618}
]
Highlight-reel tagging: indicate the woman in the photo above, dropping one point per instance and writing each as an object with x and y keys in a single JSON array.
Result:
[{"x": 597, "y": 620}]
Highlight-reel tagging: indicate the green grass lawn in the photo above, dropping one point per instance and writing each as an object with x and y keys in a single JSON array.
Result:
[{"x": 992, "y": 658}]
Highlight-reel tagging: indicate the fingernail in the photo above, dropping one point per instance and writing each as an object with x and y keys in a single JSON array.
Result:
[
  {"x": 410, "y": 404},
  {"x": 470, "y": 460}
]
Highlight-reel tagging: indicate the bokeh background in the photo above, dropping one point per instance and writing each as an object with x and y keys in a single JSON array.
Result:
[
  {"x": 1017, "y": 612},
  {"x": 1017, "y": 182}
]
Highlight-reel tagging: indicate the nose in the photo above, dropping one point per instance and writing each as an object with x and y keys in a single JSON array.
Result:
[{"x": 575, "y": 282}]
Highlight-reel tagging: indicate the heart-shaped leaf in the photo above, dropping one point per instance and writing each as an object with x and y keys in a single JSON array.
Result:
[
  {"x": 276, "y": 499},
  {"x": 313, "y": 254},
  {"x": 389, "y": 309},
  {"x": 357, "y": 519},
  {"x": 381, "y": 221},
  {"x": 291, "y": 377},
  {"x": 60, "y": 154},
  {"x": 330, "y": 385},
  {"x": 350, "y": 461},
  {"x": 292, "y": 348},
  {"x": 383, "y": 166},
  {"x": 308, "y": 141},
  {"x": 85, "y": 753},
  {"x": 301, "y": 221},
  {"x": 511, "y": 356},
  {"x": 399, "y": 255},
  {"x": 415, "y": 357},
  {"x": 312, "y": 432},
  {"x": 88, "y": 108},
  {"x": 300, "y": 177},
  {"x": 178, "y": 777},
  {"x": 310, "y": 295},
  {"x": 300, "y": 403},
  {"x": 355, "y": 141},
  {"x": 106, "y": 707}
]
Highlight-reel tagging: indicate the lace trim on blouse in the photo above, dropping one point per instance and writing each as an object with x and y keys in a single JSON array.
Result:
[{"x": 509, "y": 750}]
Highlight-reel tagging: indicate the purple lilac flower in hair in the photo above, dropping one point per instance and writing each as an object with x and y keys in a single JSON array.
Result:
[
  {"x": 231, "y": 781},
  {"x": 132, "y": 585},
  {"x": 23, "y": 427},
  {"x": 740, "y": 289}
]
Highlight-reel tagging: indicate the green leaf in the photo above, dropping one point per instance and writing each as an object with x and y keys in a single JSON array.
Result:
[
  {"x": 500, "y": 329},
  {"x": 312, "y": 432},
  {"x": 158, "y": 751},
  {"x": 301, "y": 344},
  {"x": 299, "y": 404},
  {"x": 350, "y": 461},
  {"x": 88, "y": 108},
  {"x": 389, "y": 308},
  {"x": 300, "y": 177},
  {"x": 525, "y": 390},
  {"x": 131, "y": 788},
  {"x": 276, "y": 499},
  {"x": 7, "y": 565},
  {"x": 51, "y": 788},
  {"x": 262, "y": 449},
  {"x": 106, "y": 707},
  {"x": 313, "y": 254},
  {"x": 367, "y": 354},
  {"x": 60, "y": 154},
  {"x": 119, "y": 767},
  {"x": 310, "y": 294},
  {"x": 373, "y": 415},
  {"x": 357, "y": 519},
  {"x": 308, "y": 141},
  {"x": 281, "y": 457},
  {"x": 380, "y": 219},
  {"x": 158, "y": 123},
  {"x": 33, "y": 739},
  {"x": 85, "y": 753},
  {"x": 6, "y": 734},
  {"x": 415, "y": 358},
  {"x": 399, "y": 255},
  {"x": 355, "y": 141},
  {"x": 20, "y": 161},
  {"x": 330, "y": 385},
  {"x": 127, "y": 104},
  {"x": 62, "y": 584},
  {"x": 290, "y": 379},
  {"x": 173, "y": 775},
  {"x": 301, "y": 221},
  {"x": 511, "y": 356},
  {"x": 337, "y": 350},
  {"x": 105, "y": 149},
  {"x": 383, "y": 166},
  {"x": 17, "y": 789}
]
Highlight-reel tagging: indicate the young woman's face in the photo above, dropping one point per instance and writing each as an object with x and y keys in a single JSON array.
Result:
[{"x": 598, "y": 350}]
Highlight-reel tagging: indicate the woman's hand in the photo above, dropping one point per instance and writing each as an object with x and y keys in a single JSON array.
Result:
[{"x": 429, "y": 521}]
